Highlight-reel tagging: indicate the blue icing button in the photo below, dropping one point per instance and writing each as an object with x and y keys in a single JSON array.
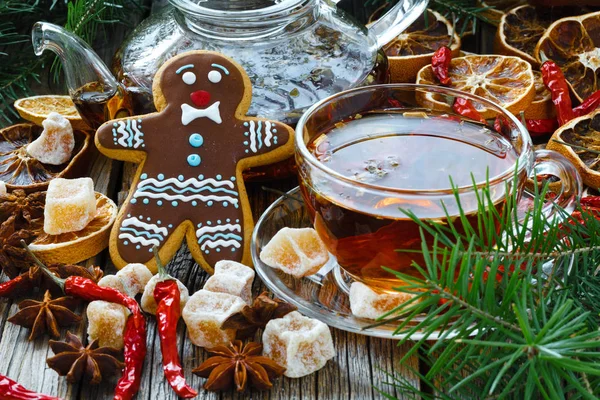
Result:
[
  {"x": 228, "y": 220},
  {"x": 126, "y": 243},
  {"x": 208, "y": 223},
  {"x": 194, "y": 203},
  {"x": 245, "y": 143},
  {"x": 115, "y": 124},
  {"x": 225, "y": 204},
  {"x": 158, "y": 222},
  {"x": 245, "y": 123},
  {"x": 206, "y": 251},
  {"x": 232, "y": 178},
  {"x": 219, "y": 177},
  {"x": 174, "y": 203},
  {"x": 181, "y": 178},
  {"x": 218, "y": 221},
  {"x": 133, "y": 201},
  {"x": 194, "y": 160},
  {"x": 161, "y": 176},
  {"x": 218, "y": 250},
  {"x": 138, "y": 247},
  {"x": 170, "y": 225},
  {"x": 146, "y": 201},
  {"x": 209, "y": 203},
  {"x": 159, "y": 202},
  {"x": 196, "y": 140},
  {"x": 143, "y": 176}
]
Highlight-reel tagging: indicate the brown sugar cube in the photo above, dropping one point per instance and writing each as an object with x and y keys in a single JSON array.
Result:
[
  {"x": 233, "y": 278},
  {"x": 106, "y": 323},
  {"x": 302, "y": 345},
  {"x": 298, "y": 252},
  {"x": 204, "y": 314},
  {"x": 70, "y": 205},
  {"x": 135, "y": 277},
  {"x": 367, "y": 303}
]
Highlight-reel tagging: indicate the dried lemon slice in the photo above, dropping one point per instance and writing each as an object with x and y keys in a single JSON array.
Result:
[
  {"x": 506, "y": 81},
  {"x": 522, "y": 27},
  {"x": 413, "y": 49},
  {"x": 36, "y": 109},
  {"x": 74, "y": 247},
  {"x": 574, "y": 44},
  {"x": 21, "y": 171}
]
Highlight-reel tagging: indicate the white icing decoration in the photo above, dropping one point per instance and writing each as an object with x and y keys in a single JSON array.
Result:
[
  {"x": 268, "y": 135},
  {"x": 189, "y": 78},
  {"x": 174, "y": 189},
  {"x": 183, "y": 198},
  {"x": 190, "y": 182},
  {"x": 130, "y": 131},
  {"x": 252, "y": 137},
  {"x": 124, "y": 135},
  {"x": 138, "y": 239},
  {"x": 190, "y": 113},
  {"x": 221, "y": 243},
  {"x": 215, "y": 76},
  {"x": 218, "y": 228},
  {"x": 133, "y": 221}
]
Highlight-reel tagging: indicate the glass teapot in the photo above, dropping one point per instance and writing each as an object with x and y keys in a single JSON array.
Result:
[{"x": 296, "y": 52}]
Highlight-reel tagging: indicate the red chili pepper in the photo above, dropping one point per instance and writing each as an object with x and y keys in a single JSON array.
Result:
[
  {"x": 555, "y": 81},
  {"x": 540, "y": 127},
  {"x": 15, "y": 286},
  {"x": 590, "y": 201},
  {"x": 168, "y": 312},
  {"x": 440, "y": 63},
  {"x": 464, "y": 107},
  {"x": 11, "y": 390},
  {"x": 590, "y": 104},
  {"x": 135, "y": 329}
]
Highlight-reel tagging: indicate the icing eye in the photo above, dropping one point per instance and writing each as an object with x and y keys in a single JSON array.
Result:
[
  {"x": 189, "y": 78},
  {"x": 215, "y": 76}
]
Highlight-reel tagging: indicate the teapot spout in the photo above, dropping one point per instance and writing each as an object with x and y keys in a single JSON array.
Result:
[{"x": 88, "y": 79}]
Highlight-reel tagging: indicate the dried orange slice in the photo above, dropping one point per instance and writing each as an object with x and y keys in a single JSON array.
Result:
[
  {"x": 507, "y": 81},
  {"x": 574, "y": 44},
  {"x": 412, "y": 50},
  {"x": 581, "y": 133},
  {"x": 36, "y": 109},
  {"x": 522, "y": 27},
  {"x": 21, "y": 171},
  {"x": 74, "y": 247},
  {"x": 542, "y": 106}
]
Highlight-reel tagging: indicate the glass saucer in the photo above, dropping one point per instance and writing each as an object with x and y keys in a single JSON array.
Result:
[{"x": 323, "y": 296}]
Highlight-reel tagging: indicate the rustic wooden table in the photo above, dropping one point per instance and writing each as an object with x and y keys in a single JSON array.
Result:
[{"x": 359, "y": 369}]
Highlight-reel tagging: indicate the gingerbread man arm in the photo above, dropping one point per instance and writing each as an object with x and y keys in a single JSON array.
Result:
[
  {"x": 117, "y": 138},
  {"x": 264, "y": 136}
]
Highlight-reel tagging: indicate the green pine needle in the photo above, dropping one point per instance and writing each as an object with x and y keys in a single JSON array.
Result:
[{"x": 521, "y": 298}]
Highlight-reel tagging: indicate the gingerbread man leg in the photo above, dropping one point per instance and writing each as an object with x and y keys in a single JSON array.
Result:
[
  {"x": 139, "y": 232},
  {"x": 223, "y": 237}
]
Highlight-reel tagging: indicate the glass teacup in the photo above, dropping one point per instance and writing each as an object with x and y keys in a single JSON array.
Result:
[{"x": 365, "y": 154}]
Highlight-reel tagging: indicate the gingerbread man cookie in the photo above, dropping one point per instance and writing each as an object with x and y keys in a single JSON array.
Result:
[{"x": 191, "y": 155}]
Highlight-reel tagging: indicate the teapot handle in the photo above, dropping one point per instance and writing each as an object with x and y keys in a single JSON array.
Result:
[{"x": 395, "y": 21}]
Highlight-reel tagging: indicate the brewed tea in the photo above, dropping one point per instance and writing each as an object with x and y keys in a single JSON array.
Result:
[{"x": 413, "y": 154}]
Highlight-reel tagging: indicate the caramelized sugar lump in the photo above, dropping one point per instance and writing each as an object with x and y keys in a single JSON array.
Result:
[
  {"x": 135, "y": 277},
  {"x": 367, "y": 303},
  {"x": 204, "y": 314},
  {"x": 298, "y": 252},
  {"x": 56, "y": 142},
  {"x": 2, "y": 188},
  {"x": 70, "y": 205},
  {"x": 233, "y": 278},
  {"x": 302, "y": 345},
  {"x": 112, "y": 281},
  {"x": 149, "y": 304},
  {"x": 106, "y": 323}
]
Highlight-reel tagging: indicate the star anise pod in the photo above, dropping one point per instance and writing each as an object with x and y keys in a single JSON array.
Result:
[
  {"x": 13, "y": 257},
  {"x": 252, "y": 318},
  {"x": 33, "y": 278},
  {"x": 46, "y": 315},
  {"x": 234, "y": 364},
  {"x": 76, "y": 361},
  {"x": 26, "y": 208}
]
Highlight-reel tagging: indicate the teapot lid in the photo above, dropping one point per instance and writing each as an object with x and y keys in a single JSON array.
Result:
[{"x": 237, "y": 8}]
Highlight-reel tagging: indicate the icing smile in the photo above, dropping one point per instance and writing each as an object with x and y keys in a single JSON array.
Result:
[{"x": 189, "y": 113}]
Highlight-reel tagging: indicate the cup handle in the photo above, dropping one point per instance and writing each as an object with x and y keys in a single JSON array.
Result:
[
  {"x": 548, "y": 162},
  {"x": 395, "y": 21}
]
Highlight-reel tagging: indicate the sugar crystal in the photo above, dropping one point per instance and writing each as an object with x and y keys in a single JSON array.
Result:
[
  {"x": 302, "y": 345},
  {"x": 70, "y": 205},
  {"x": 233, "y": 278},
  {"x": 56, "y": 143},
  {"x": 366, "y": 303},
  {"x": 204, "y": 314},
  {"x": 149, "y": 304},
  {"x": 106, "y": 323},
  {"x": 298, "y": 252}
]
